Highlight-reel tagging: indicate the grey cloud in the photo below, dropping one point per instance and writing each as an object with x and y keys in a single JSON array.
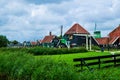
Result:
[{"x": 32, "y": 20}]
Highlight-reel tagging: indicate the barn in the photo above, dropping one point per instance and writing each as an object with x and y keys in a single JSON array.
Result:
[{"x": 78, "y": 36}]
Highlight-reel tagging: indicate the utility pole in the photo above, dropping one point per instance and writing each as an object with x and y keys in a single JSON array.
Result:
[
  {"x": 95, "y": 27},
  {"x": 61, "y": 31}
]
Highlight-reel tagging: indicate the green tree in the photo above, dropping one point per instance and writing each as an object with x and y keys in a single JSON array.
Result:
[
  {"x": 3, "y": 41},
  {"x": 15, "y": 42}
]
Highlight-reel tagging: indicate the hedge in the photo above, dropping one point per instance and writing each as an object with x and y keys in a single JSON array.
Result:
[{"x": 54, "y": 51}]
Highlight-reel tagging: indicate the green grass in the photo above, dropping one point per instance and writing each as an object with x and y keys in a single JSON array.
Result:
[
  {"x": 22, "y": 66},
  {"x": 68, "y": 58},
  {"x": 18, "y": 65}
]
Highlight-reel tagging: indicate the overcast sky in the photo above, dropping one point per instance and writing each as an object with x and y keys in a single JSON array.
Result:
[{"x": 31, "y": 20}]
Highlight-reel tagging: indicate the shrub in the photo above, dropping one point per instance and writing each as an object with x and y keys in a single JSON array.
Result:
[
  {"x": 54, "y": 51},
  {"x": 96, "y": 48},
  {"x": 13, "y": 50}
]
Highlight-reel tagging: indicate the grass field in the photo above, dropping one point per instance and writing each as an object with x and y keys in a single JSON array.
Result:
[
  {"x": 68, "y": 58},
  {"x": 20, "y": 65}
]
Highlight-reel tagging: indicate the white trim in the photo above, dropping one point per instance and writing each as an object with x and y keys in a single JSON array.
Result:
[
  {"x": 82, "y": 34},
  {"x": 115, "y": 40}
]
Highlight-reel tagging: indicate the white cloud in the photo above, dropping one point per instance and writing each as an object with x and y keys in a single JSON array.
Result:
[{"x": 29, "y": 21}]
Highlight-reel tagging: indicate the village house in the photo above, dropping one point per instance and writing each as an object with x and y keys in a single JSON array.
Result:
[
  {"x": 78, "y": 36},
  {"x": 112, "y": 41},
  {"x": 48, "y": 40},
  {"x": 33, "y": 43},
  {"x": 36, "y": 43}
]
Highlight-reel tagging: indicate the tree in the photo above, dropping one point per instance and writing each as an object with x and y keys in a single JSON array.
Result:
[
  {"x": 15, "y": 42},
  {"x": 3, "y": 41}
]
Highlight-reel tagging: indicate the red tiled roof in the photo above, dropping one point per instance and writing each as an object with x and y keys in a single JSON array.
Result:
[
  {"x": 48, "y": 39},
  {"x": 102, "y": 41},
  {"x": 115, "y": 32},
  {"x": 33, "y": 43},
  {"x": 76, "y": 28},
  {"x": 106, "y": 40},
  {"x": 113, "y": 37},
  {"x": 112, "y": 41}
]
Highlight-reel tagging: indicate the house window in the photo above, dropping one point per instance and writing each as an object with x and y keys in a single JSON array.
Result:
[{"x": 71, "y": 37}]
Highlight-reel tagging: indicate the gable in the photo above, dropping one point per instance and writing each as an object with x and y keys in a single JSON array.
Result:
[
  {"x": 115, "y": 32},
  {"x": 77, "y": 29},
  {"x": 113, "y": 40}
]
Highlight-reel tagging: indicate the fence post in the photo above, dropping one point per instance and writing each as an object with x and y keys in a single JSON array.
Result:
[
  {"x": 81, "y": 64},
  {"x": 99, "y": 62},
  {"x": 114, "y": 60}
]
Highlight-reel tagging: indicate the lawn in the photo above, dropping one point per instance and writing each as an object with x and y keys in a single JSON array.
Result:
[{"x": 68, "y": 58}]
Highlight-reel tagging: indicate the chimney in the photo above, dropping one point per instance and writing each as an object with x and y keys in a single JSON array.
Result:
[{"x": 50, "y": 33}]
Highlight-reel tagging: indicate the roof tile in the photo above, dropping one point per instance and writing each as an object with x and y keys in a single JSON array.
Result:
[
  {"x": 76, "y": 28},
  {"x": 48, "y": 39},
  {"x": 102, "y": 41}
]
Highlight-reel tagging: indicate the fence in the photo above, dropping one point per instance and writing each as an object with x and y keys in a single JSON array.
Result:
[{"x": 97, "y": 61}]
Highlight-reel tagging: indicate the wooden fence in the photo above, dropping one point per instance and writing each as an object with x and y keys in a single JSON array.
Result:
[{"x": 97, "y": 61}]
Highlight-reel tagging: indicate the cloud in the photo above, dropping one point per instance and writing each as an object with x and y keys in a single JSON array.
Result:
[
  {"x": 33, "y": 19},
  {"x": 37, "y": 2},
  {"x": 41, "y": 14}
]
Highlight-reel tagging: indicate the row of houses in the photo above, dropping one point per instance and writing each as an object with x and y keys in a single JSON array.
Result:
[
  {"x": 77, "y": 36},
  {"x": 112, "y": 40}
]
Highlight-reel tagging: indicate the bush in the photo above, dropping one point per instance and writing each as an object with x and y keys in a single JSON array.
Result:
[
  {"x": 44, "y": 51},
  {"x": 13, "y": 50},
  {"x": 3, "y": 41},
  {"x": 96, "y": 48},
  {"x": 54, "y": 51}
]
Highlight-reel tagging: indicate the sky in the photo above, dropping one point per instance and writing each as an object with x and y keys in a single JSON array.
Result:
[{"x": 31, "y": 20}]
